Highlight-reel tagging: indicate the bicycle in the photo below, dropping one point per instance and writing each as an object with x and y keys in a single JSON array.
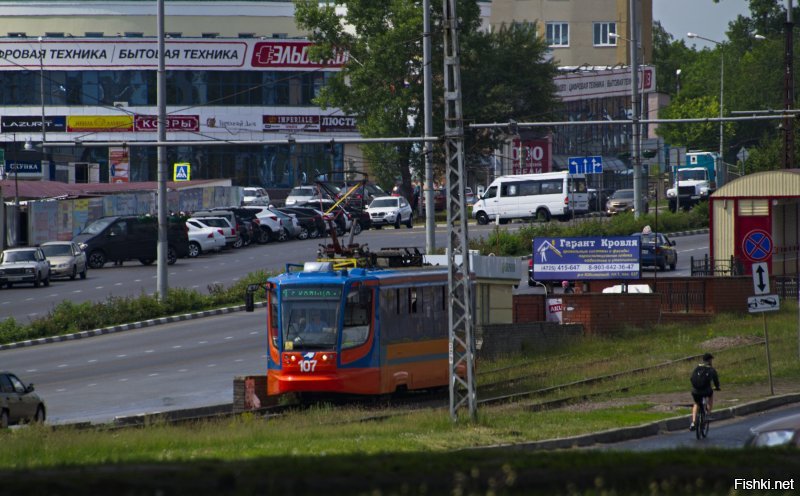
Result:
[{"x": 702, "y": 419}]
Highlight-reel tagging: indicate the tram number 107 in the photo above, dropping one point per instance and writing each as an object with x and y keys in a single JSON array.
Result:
[{"x": 308, "y": 365}]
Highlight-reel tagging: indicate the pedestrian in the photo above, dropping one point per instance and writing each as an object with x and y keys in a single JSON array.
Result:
[{"x": 567, "y": 288}]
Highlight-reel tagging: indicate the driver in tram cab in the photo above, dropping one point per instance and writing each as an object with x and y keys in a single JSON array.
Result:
[{"x": 315, "y": 323}]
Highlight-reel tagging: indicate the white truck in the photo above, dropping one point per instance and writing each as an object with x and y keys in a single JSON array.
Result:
[{"x": 694, "y": 182}]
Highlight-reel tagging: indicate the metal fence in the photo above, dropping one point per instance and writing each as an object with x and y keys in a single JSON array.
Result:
[
  {"x": 682, "y": 296},
  {"x": 786, "y": 286},
  {"x": 708, "y": 266}
]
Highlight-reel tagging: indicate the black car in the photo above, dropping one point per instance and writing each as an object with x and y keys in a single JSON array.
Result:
[
  {"x": 121, "y": 238},
  {"x": 309, "y": 218}
]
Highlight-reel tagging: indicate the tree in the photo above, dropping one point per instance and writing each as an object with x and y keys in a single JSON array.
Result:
[{"x": 504, "y": 74}]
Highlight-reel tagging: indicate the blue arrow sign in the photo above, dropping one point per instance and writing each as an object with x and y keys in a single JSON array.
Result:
[{"x": 585, "y": 165}]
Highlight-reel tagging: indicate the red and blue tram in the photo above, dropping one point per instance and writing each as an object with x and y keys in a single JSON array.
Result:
[{"x": 357, "y": 331}]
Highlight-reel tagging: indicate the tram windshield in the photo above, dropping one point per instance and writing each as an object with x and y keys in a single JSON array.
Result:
[{"x": 310, "y": 317}]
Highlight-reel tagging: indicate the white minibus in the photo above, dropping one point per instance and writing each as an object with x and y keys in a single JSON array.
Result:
[{"x": 533, "y": 196}]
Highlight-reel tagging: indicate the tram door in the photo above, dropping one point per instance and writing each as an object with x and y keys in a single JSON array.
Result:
[{"x": 753, "y": 233}]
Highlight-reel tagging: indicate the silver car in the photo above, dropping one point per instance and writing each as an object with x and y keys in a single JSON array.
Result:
[
  {"x": 24, "y": 265},
  {"x": 18, "y": 402},
  {"x": 66, "y": 259}
]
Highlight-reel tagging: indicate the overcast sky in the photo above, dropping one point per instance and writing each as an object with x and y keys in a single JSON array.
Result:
[{"x": 703, "y": 17}]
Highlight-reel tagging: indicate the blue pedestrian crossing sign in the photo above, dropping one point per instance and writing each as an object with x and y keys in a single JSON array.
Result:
[
  {"x": 585, "y": 165},
  {"x": 181, "y": 171}
]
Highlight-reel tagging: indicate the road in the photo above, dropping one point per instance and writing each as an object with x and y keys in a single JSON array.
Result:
[{"x": 732, "y": 433}]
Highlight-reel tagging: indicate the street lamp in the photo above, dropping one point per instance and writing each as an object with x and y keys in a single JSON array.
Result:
[
  {"x": 720, "y": 168},
  {"x": 678, "y": 82}
]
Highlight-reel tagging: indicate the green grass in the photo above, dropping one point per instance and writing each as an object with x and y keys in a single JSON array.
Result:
[{"x": 328, "y": 431}]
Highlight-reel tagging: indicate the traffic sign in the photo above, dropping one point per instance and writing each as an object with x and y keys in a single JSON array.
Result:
[
  {"x": 763, "y": 303},
  {"x": 585, "y": 165},
  {"x": 760, "y": 278},
  {"x": 181, "y": 172},
  {"x": 757, "y": 245}
]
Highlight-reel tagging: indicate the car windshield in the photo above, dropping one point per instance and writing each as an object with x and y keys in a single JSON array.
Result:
[
  {"x": 651, "y": 239},
  {"x": 301, "y": 192},
  {"x": 623, "y": 193},
  {"x": 383, "y": 202},
  {"x": 310, "y": 317},
  {"x": 19, "y": 256},
  {"x": 97, "y": 226},
  {"x": 57, "y": 250},
  {"x": 692, "y": 175}
]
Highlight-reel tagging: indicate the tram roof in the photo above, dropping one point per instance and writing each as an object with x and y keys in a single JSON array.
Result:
[{"x": 383, "y": 275}]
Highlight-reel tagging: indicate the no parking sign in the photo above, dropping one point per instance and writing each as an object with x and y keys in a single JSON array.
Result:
[{"x": 757, "y": 245}]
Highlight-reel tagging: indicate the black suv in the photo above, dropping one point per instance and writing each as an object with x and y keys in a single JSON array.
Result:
[{"x": 121, "y": 238}]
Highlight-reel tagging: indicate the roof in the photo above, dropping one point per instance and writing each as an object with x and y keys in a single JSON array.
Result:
[
  {"x": 767, "y": 184},
  {"x": 39, "y": 190}
]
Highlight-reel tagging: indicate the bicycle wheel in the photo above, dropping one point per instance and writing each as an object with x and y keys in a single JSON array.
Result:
[
  {"x": 698, "y": 431},
  {"x": 704, "y": 425}
]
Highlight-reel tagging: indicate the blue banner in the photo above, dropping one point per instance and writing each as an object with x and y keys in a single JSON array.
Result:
[{"x": 608, "y": 257}]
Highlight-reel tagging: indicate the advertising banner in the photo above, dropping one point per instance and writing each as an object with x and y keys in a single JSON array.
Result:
[
  {"x": 119, "y": 164},
  {"x": 536, "y": 155},
  {"x": 189, "y": 123},
  {"x": 602, "y": 84},
  {"x": 608, "y": 257},
  {"x": 23, "y": 169},
  {"x": 291, "y": 122},
  {"x": 99, "y": 123},
  {"x": 32, "y": 123}
]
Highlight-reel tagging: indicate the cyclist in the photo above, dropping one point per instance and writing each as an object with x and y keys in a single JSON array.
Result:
[{"x": 702, "y": 378}]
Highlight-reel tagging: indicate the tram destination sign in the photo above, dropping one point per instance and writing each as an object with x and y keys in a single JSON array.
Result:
[
  {"x": 583, "y": 258},
  {"x": 311, "y": 293}
]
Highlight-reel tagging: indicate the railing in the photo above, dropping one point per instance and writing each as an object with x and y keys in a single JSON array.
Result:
[
  {"x": 786, "y": 286},
  {"x": 710, "y": 267}
]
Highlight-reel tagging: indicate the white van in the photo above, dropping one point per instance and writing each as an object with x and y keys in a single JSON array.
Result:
[{"x": 533, "y": 196}]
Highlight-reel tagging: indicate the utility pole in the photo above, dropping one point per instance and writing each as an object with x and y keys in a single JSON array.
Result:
[
  {"x": 161, "y": 100},
  {"x": 788, "y": 89},
  {"x": 461, "y": 351},
  {"x": 637, "y": 163},
  {"x": 427, "y": 188}
]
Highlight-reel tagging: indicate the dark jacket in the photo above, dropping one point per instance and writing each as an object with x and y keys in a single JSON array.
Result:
[{"x": 714, "y": 380}]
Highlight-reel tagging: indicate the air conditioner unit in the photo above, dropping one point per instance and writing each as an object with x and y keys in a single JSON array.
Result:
[{"x": 120, "y": 104}]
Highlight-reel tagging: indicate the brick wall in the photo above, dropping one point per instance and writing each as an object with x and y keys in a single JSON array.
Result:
[
  {"x": 245, "y": 391},
  {"x": 504, "y": 339},
  {"x": 602, "y": 313}
]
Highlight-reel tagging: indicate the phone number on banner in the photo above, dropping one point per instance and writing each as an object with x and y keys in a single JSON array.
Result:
[{"x": 586, "y": 267}]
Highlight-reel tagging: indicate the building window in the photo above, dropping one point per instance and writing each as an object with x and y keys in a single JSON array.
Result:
[
  {"x": 53, "y": 35},
  {"x": 133, "y": 34},
  {"x": 602, "y": 30},
  {"x": 280, "y": 36},
  {"x": 247, "y": 35},
  {"x": 17, "y": 35},
  {"x": 93, "y": 34},
  {"x": 173, "y": 35},
  {"x": 557, "y": 34},
  {"x": 210, "y": 35}
]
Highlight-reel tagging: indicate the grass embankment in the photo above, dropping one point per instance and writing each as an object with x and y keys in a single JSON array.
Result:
[{"x": 329, "y": 450}]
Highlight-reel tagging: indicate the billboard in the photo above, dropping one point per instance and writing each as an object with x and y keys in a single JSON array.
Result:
[{"x": 582, "y": 258}]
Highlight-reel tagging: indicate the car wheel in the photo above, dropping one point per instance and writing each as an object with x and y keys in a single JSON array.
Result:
[
  {"x": 303, "y": 234},
  {"x": 673, "y": 264},
  {"x": 263, "y": 235},
  {"x": 357, "y": 228},
  {"x": 172, "y": 255},
  {"x": 283, "y": 235},
  {"x": 378, "y": 227},
  {"x": 397, "y": 222},
  {"x": 83, "y": 274},
  {"x": 9, "y": 285},
  {"x": 194, "y": 249},
  {"x": 662, "y": 266},
  {"x": 410, "y": 222},
  {"x": 482, "y": 218},
  {"x": 4, "y": 419},
  {"x": 542, "y": 215},
  {"x": 39, "y": 417},
  {"x": 74, "y": 272},
  {"x": 314, "y": 233},
  {"x": 146, "y": 261},
  {"x": 38, "y": 281},
  {"x": 47, "y": 280},
  {"x": 97, "y": 259},
  {"x": 239, "y": 242}
]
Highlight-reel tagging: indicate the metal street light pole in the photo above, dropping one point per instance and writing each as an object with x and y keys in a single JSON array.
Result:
[{"x": 720, "y": 168}]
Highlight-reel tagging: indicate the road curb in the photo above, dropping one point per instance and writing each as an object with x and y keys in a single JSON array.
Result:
[
  {"x": 125, "y": 327},
  {"x": 650, "y": 429}
]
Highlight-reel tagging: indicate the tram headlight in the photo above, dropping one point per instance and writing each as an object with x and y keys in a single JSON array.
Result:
[{"x": 324, "y": 357}]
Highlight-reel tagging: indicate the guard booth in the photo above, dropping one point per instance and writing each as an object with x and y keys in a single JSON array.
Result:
[{"x": 756, "y": 218}]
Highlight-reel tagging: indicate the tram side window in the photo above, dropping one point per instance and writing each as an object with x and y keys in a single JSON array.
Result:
[
  {"x": 412, "y": 300},
  {"x": 357, "y": 317}
]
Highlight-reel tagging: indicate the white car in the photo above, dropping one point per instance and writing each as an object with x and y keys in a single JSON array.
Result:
[
  {"x": 390, "y": 210},
  {"x": 269, "y": 219},
  {"x": 254, "y": 195},
  {"x": 203, "y": 238},
  {"x": 303, "y": 194},
  {"x": 221, "y": 223}
]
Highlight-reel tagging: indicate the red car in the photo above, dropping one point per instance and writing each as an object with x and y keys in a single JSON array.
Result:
[{"x": 439, "y": 199}]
